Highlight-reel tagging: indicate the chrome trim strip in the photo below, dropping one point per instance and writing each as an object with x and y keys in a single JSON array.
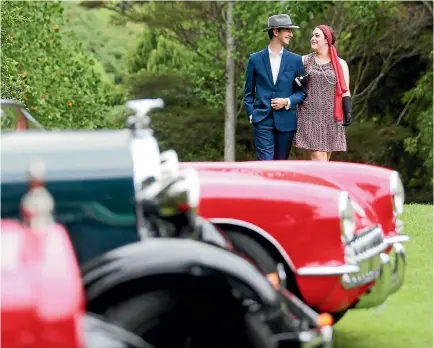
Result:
[
  {"x": 369, "y": 229},
  {"x": 328, "y": 270},
  {"x": 396, "y": 239},
  {"x": 258, "y": 230},
  {"x": 370, "y": 253}
]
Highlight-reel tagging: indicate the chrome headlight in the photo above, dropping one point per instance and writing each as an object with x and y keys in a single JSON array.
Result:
[
  {"x": 186, "y": 191},
  {"x": 397, "y": 192},
  {"x": 346, "y": 215}
]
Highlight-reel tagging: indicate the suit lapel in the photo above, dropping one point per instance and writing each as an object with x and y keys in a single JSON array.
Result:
[
  {"x": 283, "y": 62},
  {"x": 266, "y": 59}
]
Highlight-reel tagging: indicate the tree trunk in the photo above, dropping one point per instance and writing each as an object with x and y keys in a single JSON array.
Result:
[{"x": 229, "y": 154}]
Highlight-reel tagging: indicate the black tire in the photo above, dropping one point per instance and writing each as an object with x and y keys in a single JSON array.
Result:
[
  {"x": 165, "y": 318},
  {"x": 136, "y": 314},
  {"x": 99, "y": 333},
  {"x": 148, "y": 315},
  {"x": 250, "y": 248}
]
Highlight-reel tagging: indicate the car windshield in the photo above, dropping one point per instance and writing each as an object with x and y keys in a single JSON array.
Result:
[{"x": 13, "y": 119}]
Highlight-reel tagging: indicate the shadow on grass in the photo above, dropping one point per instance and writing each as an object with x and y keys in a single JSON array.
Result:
[{"x": 347, "y": 339}]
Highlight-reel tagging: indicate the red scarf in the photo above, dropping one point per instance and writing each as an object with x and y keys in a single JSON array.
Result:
[{"x": 341, "y": 86}]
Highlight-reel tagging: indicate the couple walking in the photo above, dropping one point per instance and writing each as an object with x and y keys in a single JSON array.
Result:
[{"x": 283, "y": 88}]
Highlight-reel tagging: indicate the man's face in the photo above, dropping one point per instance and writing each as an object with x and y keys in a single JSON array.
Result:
[{"x": 284, "y": 35}]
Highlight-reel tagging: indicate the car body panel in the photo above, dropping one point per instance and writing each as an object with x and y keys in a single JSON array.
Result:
[
  {"x": 42, "y": 301},
  {"x": 90, "y": 178}
]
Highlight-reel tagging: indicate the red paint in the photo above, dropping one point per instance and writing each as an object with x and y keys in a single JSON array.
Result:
[{"x": 41, "y": 293}]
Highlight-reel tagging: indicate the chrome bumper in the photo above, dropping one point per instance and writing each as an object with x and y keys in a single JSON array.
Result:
[
  {"x": 390, "y": 280},
  {"x": 365, "y": 262}
]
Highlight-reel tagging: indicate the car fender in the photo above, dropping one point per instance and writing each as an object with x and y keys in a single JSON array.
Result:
[
  {"x": 42, "y": 293},
  {"x": 139, "y": 261},
  {"x": 303, "y": 217}
]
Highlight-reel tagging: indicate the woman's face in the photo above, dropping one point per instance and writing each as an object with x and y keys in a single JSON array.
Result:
[{"x": 318, "y": 40}]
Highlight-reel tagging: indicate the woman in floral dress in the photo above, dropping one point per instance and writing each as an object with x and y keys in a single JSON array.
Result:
[{"x": 321, "y": 118}]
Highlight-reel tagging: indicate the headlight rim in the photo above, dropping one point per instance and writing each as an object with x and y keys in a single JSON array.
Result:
[
  {"x": 396, "y": 189},
  {"x": 346, "y": 211}
]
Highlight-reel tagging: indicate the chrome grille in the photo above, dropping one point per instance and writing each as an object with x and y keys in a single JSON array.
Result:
[{"x": 364, "y": 250}]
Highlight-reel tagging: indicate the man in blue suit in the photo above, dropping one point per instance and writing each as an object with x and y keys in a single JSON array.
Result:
[{"x": 270, "y": 93}]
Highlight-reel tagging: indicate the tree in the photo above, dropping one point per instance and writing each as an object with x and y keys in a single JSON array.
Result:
[
  {"x": 230, "y": 87},
  {"x": 420, "y": 116},
  {"x": 377, "y": 38},
  {"x": 47, "y": 69}
]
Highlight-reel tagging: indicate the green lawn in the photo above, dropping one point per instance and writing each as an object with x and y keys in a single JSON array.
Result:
[{"x": 407, "y": 318}]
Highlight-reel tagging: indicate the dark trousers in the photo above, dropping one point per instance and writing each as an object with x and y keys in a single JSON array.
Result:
[{"x": 270, "y": 143}]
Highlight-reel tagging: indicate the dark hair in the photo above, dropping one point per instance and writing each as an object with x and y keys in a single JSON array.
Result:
[
  {"x": 270, "y": 32},
  {"x": 333, "y": 34}
]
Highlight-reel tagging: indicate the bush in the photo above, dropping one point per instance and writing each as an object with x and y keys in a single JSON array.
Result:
[{"x": 47, "y": 69}]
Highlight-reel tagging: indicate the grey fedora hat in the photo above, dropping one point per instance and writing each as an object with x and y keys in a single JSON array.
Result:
[{"x": 280, "y": 21}]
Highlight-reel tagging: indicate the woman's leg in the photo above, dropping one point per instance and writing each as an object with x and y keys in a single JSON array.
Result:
[{"x": 317, "y": 155}]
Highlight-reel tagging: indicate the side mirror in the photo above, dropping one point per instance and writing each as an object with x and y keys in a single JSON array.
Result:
[{"x": 14, "y": 117}]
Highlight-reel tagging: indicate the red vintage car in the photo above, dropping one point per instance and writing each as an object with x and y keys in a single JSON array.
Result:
[
  {"x": 42, "y": 297},
  {"x": 334, "y": 226}
]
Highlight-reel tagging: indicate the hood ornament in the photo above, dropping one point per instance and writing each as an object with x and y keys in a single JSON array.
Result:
[
  {"x": 141, "y": 108},
  {"x": 37, "y": 205}
]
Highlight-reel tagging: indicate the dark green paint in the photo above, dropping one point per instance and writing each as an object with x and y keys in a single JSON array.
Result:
[{"x": 90, "y": 177}]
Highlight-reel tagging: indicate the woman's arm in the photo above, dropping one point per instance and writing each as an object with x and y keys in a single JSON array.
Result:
[
  {"x": 346, "y": 72},
  {"x": 346, "y": 98}
]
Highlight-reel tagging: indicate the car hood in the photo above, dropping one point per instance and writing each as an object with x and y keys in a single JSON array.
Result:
[{"x": 365, "y": 183}]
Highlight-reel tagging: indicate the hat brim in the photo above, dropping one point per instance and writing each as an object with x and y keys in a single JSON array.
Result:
[{"x": 283, "y": 27}]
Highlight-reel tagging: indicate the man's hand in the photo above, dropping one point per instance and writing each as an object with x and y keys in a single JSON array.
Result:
[{"x": 278, "y": 103}]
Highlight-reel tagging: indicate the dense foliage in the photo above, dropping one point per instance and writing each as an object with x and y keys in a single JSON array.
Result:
[
  {"x": 47, "y": 69},
  {"x": 177, "y": 50}
]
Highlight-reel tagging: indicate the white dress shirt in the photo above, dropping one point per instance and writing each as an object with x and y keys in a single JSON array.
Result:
[{"x": 275, "y": 60}]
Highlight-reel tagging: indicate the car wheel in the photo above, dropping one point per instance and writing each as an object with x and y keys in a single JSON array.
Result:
[
  {"x": 250, "y": 248},
  {"x": 135, "y": 314},
  {"x": 166, "y": 318}
]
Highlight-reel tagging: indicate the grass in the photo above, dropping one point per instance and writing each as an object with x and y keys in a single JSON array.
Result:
[{"x": 407, "y": 318}]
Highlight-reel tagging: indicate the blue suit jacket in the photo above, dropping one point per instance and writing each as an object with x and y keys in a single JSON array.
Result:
[{"x": 259, "y": 88}]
